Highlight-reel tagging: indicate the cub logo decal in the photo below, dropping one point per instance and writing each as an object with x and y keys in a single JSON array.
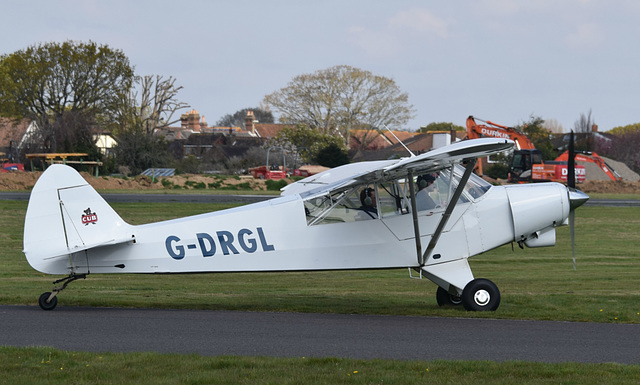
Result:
[{"x": 89, "y": 217}]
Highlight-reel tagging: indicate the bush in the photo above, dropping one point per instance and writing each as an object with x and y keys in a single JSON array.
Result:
[
  {"x": 167, "y": 183},
  {"x": 275, "y": 185},
  {"x": 497, "y": 171}
]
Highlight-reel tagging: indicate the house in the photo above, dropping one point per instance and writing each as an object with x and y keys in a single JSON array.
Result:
[
  {"x": 105, "y": 143},
  {"x": 417, "y": 143},
  {"x": 15, "y": 135}
]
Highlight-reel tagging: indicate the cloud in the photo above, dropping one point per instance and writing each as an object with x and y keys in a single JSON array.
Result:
[
  {"x": 585, "y": 36},
  {"x": 399, "y": 32},
  {"x": 420, "y": 21}
]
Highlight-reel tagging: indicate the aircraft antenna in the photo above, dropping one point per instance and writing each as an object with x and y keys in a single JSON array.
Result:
[{"x": 399, "y": 141}]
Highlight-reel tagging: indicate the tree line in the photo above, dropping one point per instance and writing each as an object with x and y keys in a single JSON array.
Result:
[{"x": 73, "y": 90}]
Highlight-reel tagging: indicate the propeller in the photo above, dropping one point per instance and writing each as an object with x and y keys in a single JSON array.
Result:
[{"x": 576, "y": 197}]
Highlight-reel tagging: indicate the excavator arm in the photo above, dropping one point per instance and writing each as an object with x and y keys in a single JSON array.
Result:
[{"x": 592, "y": 157}]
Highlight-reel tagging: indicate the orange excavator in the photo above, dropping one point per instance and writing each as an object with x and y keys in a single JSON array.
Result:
[
  {"x": 527, "y": 164},
  {"x": 525, "y": 154}
]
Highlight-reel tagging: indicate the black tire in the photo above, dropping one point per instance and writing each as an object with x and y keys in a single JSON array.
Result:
[
  {"x": 480, "y": 295},
  {"x": 444, "y": 298},
  {"x": 44, "y": 305}
]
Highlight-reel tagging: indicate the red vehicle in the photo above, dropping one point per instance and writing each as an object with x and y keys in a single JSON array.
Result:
[
  {"x": 7, "y": 166},
  {"x": 267, "y": 172},
  {"x": 270, "y": 171}
]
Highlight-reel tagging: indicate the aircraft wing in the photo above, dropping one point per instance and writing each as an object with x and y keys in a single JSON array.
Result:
[
  {"x": 445, "y": 156},
  {"x": 367, "y": 172}
]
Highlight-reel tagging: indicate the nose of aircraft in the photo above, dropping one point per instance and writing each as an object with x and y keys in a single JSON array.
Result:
[{"x": 576, "y": 198}]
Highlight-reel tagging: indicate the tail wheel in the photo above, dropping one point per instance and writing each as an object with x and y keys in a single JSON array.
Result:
[
  {"x": 480, "y": 295},
  {"x": 444, "y": 298},
  {"x": 45, "y": 303}
]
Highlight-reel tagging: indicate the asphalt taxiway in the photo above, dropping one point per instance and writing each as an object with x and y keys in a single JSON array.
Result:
[{"x": 212, "y": 333}]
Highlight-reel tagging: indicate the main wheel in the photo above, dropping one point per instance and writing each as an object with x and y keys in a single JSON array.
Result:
[
  {"x": 44, "y": 305},
  {"x": 480, "y": 295},
  {"x": 444, "y": 298}
]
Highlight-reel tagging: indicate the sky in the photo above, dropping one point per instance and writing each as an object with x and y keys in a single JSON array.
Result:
[{"x": 498, "y": 60}]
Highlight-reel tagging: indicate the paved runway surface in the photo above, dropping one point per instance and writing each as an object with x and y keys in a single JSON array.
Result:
[{"x": 316, "y": 335}]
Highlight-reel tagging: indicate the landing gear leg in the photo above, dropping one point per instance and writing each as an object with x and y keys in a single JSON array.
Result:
[
  {"x": 445, "y": 298},
  {"x": 49, "y": 300}
]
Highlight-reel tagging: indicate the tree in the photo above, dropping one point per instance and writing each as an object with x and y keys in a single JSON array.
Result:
[
  {"x": 553, "y": 126},
  {"x": 149, "y": 104},
  {"x": 442, "y": 126},
  {"x": 622, "y": 147},
  {"x": 141, "y": 112},
  {"x": 583, "y": 127},
  {"x": 238, "y": 118},
  {"x": 46, "y": 81},
  {"x": 139, "y": 151},
  {"x": 307, "y": 142},
  {"x": 341, "y": 98},
  {"x": 539, "y": 136},
  {"x": 331, "y": 155},
  {"x": 628, "y": 129}
]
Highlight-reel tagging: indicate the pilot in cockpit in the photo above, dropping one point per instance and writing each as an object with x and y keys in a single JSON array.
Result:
[
  {"x": 369, "y": 209},
  {"x": 425, "y": 185}
]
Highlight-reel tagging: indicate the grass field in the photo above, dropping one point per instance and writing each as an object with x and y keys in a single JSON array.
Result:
[{"x": 535, "y": 284}]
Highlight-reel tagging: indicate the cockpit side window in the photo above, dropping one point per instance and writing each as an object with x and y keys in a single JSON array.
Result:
[{"x": 349, "y": 205}]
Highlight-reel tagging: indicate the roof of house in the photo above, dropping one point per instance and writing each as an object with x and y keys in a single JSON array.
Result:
[{"x": 268, "y": 130}]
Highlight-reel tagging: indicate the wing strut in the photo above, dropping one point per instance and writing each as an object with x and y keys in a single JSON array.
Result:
[
  {"x": 470, "y": 164},
  {"x": 414, "y": 214}
]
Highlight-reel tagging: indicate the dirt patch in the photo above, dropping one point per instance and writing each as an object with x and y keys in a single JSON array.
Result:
[
  {"x": 16, "y": 181},
  {"x": 609, "y": 187}
]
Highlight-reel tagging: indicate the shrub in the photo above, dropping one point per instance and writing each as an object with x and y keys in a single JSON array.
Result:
[{"x": 275, "y": 185}]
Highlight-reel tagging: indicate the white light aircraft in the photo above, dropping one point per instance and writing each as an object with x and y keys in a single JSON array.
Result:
[{"x": 366, "y": 215}]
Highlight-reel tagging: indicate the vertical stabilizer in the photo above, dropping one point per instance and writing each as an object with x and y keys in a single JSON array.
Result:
[{"x": 66, "y": 216}]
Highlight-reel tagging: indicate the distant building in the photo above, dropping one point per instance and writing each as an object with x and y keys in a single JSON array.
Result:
[{"x": 105, "y": 143}]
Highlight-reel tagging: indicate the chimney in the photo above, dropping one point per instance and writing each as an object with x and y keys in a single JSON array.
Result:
[
  {"x": 594, "y": 128},
  {"x": 249, "y": 122},
  {"x": 190, "y": 121}
]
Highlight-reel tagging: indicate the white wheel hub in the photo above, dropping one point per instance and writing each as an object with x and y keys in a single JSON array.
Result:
[{"x": 482, "y": 297}]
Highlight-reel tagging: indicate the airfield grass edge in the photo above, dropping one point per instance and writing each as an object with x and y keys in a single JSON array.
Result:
[{"x": 45, "y": 365}]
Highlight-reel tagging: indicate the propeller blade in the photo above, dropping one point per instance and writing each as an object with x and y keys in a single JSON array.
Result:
[
  {"x": 572, "y": 219},
  {"x": 576, "y": 199}
]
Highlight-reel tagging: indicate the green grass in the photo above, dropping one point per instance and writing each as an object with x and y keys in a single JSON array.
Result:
[
  {"x": 537, "y": 284},
  {"x": 49, "y": 366}
]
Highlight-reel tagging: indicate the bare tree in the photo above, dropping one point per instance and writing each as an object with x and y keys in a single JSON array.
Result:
[
  {"x": 584, "y": 124},
  {"x": 153, "y": 105},
  {"x": 341, "y": 98},
  {"x": 584, "y": 128},
  {"x": 553, "y": 126}
]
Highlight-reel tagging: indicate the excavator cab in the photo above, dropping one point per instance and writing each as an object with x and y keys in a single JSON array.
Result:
[{"x": 522, "y": 163}]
